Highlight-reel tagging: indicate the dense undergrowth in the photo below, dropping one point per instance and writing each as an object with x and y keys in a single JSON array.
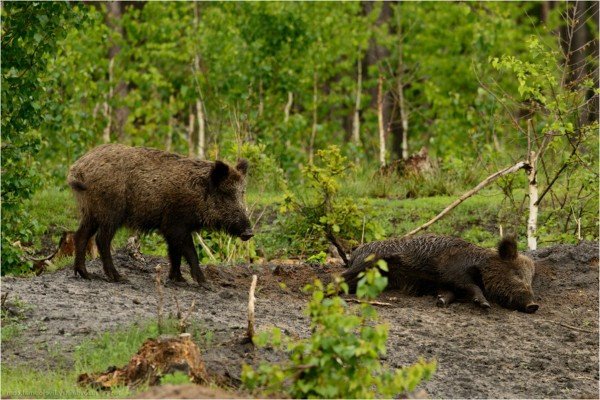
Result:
[{"x": 385, "y": 210}]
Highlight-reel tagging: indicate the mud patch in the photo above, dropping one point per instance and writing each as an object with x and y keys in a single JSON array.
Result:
[{"x": 493, "y": 354}]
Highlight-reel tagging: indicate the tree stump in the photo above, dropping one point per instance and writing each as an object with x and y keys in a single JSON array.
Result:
[{"x": 156, "y": 358}]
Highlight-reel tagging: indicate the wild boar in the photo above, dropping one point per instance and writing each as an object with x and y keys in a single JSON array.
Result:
[
  {"x": 147, "y": 189},
  {"x": 451, "y": 267}
]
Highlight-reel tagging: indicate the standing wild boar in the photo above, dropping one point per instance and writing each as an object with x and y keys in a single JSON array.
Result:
[
  {"x": 451, "y": 267},
  {"x": 147, "y": 189}
]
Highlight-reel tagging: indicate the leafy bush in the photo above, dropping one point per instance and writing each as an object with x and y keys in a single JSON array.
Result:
[
  {"x": 341, "y": 357},
  {"x": 30, "y": 32},
  {"x": 318, "y": 210}
]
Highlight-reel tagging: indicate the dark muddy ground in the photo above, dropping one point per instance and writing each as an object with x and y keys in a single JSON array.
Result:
[{"x": 493, "y": 354}]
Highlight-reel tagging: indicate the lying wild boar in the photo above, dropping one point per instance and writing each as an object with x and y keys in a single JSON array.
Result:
[
  {"x": 451, "y": 267},
  {"x": 147, "y": 189}
]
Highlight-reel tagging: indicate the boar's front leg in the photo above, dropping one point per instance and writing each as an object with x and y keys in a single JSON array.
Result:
[
  {"x": 475, "y": 293},
  {"x": 174, "y": 248},
  {"x": 189, "y": 252},
  {"x": 445, "y": 297}
]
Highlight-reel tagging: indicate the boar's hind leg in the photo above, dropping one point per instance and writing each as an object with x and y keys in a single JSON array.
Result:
[
  {"x": 189, "y": 252},
  {"x": 103, "y": 239},
  {"x": 445, "y": 297},
  {"x": 86, "y": 230}
]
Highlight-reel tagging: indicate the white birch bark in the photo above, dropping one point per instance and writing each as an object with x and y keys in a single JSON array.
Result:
[
  {"x": 261, "y": 103},
  {"x": 380, "y": 122},
  {"x": 533, "y": 206},
  {"x": 201, "y": 143},
  {"x": 107, "y": 107},
  {"x": 191, "y": 133},
  {"x": 400, "y": 89},
  {"x": 356, "y": 121},
  {"x": 199, "y": 149},
  {"x": 169, "y": 139},
  {"x": 313, "y": 133},
  {"x": 288, "y": 107}
]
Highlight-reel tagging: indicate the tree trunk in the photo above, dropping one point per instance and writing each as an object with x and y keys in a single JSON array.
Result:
[
  {"x": 380, "y": 121},
  {"x": 400, "y": 89},
  {"x": 594, "y": 49},
  {"x": 288, "y": 107},
  {"x": 191, "y": 136},
  {"x": 356, "y": 121},
  {"x": 200, "y": 144},
  {"x": 313, "y": 134},
  {"x": 261, "y": 102},
  {"x": 375, "y": 55},
  {"x": 533, "y": 206},
  {"x": 114, "y": 13},
  {"x": 107, "y": 107},
  {"x": 169, "y": 139}
]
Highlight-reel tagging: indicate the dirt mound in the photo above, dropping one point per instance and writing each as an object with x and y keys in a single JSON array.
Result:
[{"x": 494, "y": 354}]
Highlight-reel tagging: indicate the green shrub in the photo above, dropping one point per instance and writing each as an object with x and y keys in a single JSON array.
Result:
[
  {"x": 341, "y": 358},
  {"x": 318, "y": 210}
]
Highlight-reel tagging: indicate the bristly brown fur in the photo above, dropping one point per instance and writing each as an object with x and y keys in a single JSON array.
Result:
[
  {"x": 507, "y": 249},
  {"x": 433, "y": 263},
  {"x": 147, "y": 189}
]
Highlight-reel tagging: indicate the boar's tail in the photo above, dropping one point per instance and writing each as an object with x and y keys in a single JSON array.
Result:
[{"x": 77, "y": 185}]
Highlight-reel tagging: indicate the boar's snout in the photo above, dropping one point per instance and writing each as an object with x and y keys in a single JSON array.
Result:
[
  {"x": 531, "y": 308},
  {"x": 247, "y": 235}
]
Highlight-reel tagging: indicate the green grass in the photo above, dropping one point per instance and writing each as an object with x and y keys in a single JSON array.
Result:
[
  {"x": 54, "y": 380},
  {"x": 12, "y": 324},
  {"x": 400, "y": 204},
  {"x": 48, "y": 383}
]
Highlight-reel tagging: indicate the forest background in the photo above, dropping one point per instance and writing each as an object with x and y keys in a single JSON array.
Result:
[{"x": 323, "y": 99}]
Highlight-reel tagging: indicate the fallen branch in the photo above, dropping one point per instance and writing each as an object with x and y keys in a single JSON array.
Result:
[
  {"x": 373, "y": 303},
  {"x": 251, "y": 300},
  {"x": 205, "y": 247},
  {"x": 160, "y": 302},
  {"x": 181, "y": 319},
  {"x": 481, "y": 185},
  {"x": 568, "y": 326},
  {"x": 338, "y": 246},
  {"x": 3, "y": 299}
]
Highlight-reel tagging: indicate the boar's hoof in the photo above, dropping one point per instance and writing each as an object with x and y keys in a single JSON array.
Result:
[
  {"x": 198, "y": 276},
  {"x": 441, "y": 301},
  {"x": 531, "y": 308},
  {"x": 114, "y": 276},
  {"x": 177, "y": 279},
  {"x": 206, "y": 286},
  {"x": 483, "y": 303},
  {"x": 83, "y": 273}
]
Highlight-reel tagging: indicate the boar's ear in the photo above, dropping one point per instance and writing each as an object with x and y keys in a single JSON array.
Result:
[
  {"x": 219, "y": 173},
  {"x": 507, "y": 248},
  {"x": 242, "y": 166}
]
